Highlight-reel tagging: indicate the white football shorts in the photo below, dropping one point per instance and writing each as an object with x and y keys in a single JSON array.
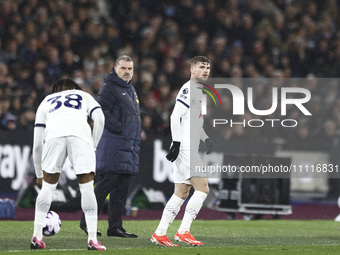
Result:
[
  {"x": 80, "y": 153},
  {"x": 185, "y": 166}
]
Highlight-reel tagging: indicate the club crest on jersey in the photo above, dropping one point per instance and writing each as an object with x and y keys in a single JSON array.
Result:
[{"x": 185, "y": 91}]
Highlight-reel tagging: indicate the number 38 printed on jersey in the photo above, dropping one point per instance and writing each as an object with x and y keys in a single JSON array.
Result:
[{"x": 72, "y": 101}]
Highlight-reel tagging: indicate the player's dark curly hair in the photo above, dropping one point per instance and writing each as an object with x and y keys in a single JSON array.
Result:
[{"x": 64, "y": 84}]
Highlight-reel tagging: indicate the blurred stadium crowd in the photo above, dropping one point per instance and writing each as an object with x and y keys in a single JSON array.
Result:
[{"x": 43, "y": 40}]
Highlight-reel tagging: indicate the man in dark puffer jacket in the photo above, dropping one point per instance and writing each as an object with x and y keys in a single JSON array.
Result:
[{"x": 118, "y": 150}]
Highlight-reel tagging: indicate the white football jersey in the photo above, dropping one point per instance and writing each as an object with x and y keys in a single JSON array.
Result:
[
  {"x": 65, "y": 114},
  {"x": 190, "y": 95}
]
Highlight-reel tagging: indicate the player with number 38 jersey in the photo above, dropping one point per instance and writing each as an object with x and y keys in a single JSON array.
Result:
[
  {"x": 62, "y": 130},
  {"x": 60, "y": 108}
]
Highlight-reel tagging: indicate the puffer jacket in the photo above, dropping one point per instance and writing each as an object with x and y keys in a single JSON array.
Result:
[{"x": 118, "y": 148}]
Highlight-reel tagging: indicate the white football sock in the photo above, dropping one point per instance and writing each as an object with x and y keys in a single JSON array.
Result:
[
  {"x": 89, "y": 206},
  {"x": 192, "y": 209},
  {"x": 170, "y": 211},
  {"x": 42, "y": 205}
]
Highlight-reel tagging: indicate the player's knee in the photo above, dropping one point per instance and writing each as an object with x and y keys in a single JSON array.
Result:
[
  {"x": 51, "y": 178},
  {"x": 183, "y": 195},
  {"x": 204, "y": 189},
  {"x": 84, "y": 178}
]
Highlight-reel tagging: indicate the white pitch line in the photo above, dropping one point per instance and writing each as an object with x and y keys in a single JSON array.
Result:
[
  {"x": 49, "y": 250},
  {"x": 127, "y": 248}
]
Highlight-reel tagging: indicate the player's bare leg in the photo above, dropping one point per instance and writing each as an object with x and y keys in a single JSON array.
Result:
[
  {"x": 182, "y": 190},
  {"x": 200, "y": 184}
]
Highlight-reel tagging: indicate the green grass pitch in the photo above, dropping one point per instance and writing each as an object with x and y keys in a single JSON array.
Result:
[{"x": 219, "y": 237}]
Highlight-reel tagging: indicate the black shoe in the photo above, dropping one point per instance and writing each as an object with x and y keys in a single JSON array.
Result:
[
  {"x": 121, "y": 232},
  {"x": 83, "y": 227}
]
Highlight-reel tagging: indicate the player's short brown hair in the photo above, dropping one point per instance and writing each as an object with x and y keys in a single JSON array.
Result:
[{"x": 198, "y": 59}]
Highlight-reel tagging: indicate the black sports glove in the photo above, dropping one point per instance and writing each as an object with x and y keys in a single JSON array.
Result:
[
  {"x": 209, "y": 145},
  {"x": 174, "y": 151}
]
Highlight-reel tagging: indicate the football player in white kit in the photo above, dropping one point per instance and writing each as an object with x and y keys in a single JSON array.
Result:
[
  {"x": 187, "y": 130},
  {"x": 61, "y": 130}
]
